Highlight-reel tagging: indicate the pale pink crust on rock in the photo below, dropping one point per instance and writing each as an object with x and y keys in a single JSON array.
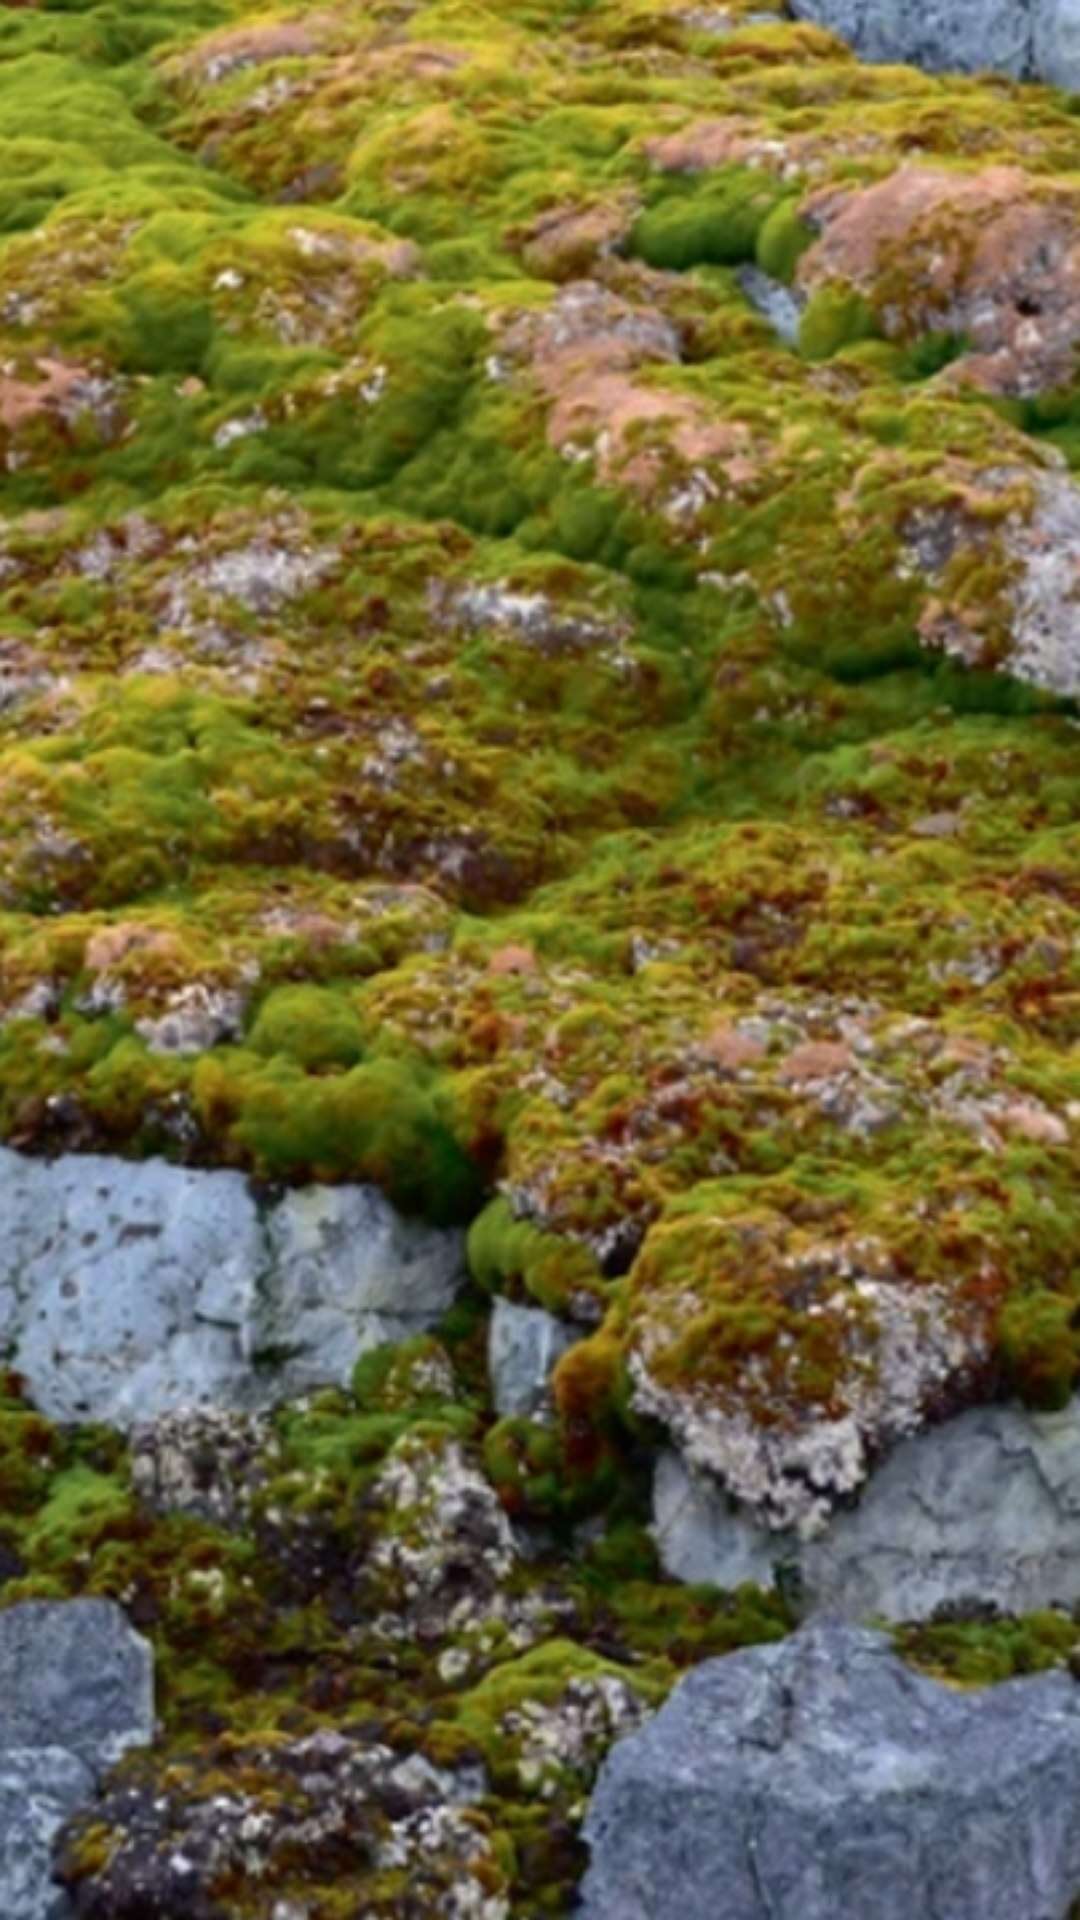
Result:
[
  {"x": 993, "y": 257},
  {"x": 257, "y": 45},
  {"x": 57, "y": 390},
  {"x": 570, "y": 240},
  {"x": 583, "y": 353}
]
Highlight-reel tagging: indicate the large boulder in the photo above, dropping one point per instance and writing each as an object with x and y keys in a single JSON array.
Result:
[
  {"x": 1040, "y": 40},
  {"x": 132, "y": 1289},
  {"x": 821, "y": 1777},
  {"x": 76, "y": 1692},
  {"x": 984, "y": 1507}
]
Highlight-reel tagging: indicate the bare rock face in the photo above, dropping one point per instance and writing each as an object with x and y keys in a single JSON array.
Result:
[
  {"x": 524, "y": 1344},
  {"x": 1037, "y": 40},
  {"x": 822, "y": 1777},
  {"x": 39, "y": 1788},
  {"x": 131, "y": 1290},
  {"x": 76, "y": 1692},
  {"x": 985, "y": 1507}
]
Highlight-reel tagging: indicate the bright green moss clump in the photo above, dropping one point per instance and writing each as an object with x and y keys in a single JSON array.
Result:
[{"x": 721, "y": 223}]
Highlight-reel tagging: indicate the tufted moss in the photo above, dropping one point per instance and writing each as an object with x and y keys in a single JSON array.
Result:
[
  {"x": 475, "y": 709},
  {"x": 506, "y": 1254},
  {"x": 721, "y": 223}
]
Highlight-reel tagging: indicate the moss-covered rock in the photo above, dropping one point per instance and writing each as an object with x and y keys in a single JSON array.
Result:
[{"x": 481, "y": 713}]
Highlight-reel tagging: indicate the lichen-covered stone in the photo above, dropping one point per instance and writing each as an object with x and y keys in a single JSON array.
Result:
[{"x": 979, "y": 1511}]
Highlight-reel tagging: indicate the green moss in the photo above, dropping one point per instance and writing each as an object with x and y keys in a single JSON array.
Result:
[
  {"x": 510, "y": 1254},
  {"x": 982, "y": 1652},
  {"x": 1039, "y": 1338},
  {"x": 378, "y": 1122},
  {"x": 782, "y": 240},
  {"x": 720, "y": 223},
  {"x": 309, "y": 1025},
  {"x": 834, "y": 317}
]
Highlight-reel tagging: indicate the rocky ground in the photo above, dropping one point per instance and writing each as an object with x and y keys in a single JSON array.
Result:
[{"x": 539, "y": 655}]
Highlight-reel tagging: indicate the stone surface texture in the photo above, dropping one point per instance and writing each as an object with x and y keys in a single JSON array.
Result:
[
  {"x": 524, "y": 1344},
  {"x": 76, "y": 1693},
  {"x": 822, "y": 1777},
  {"x": 1037, "y": 38},
  {"x": 39, "y": 1788},
  {"x": 133, "y": 1289},
  {"x": 984, "y": 1508},
  {"x": 990, "y": 258}
]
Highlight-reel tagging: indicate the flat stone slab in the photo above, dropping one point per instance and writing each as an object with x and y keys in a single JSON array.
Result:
[
  {"x": 984, "y": 1507},
  {"x": 821, "y": 1779},
  {"x": 132, "y": 1289}
]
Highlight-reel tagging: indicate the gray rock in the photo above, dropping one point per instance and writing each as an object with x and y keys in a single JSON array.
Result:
[
  {"x": 1022, "y": 38},
  {"x": 968, "y": 35},
  {"x": 822, "y": 1778},
  {"x": 76, "y": 1692},
  {"x": 1056, "y": 42},
  {"x": 984, "y": 1507},
  {"x": 128, "y": 1290},
  {"x": 780, "y": 305},
  {"x": 39, "y": 1788},
  {"x": 524, "y": 1344},
  {"x": 74, "y": 1674}
]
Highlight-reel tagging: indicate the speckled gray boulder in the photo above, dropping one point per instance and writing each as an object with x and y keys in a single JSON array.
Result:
[
  {"x": 39, "y": 1788},
  {"x": 128, "y": 1289},
  {"x": 76, "y": 1692},
  {"x": 74, "y": 1674},
  {"x": 1022, "y": 38},
  {"x": 984, "y": 1507},
  {"x": 821, "y": 1779}
]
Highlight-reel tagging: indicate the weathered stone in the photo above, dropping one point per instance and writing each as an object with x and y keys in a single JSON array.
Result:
[
  {"x": 130, "y": 1290},
  {"x": 524, "y": 1344},
  {"x": 1037, "y": 542},
  {"x": 822, "y": 1777},
  {"x": 989, "y": 257},
  {"x": 780, "y": 305},
  {"x": 1056, "y": 42},
  {"x": 206, "y": 1461},
  {"x": 39, "y": 1788},
  {"x": 971, "y": 36},
  {"x": 984, "y": 1507},
  {"x": 76, "y": 1692},
  {"x": 74, "y": 1674}
]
